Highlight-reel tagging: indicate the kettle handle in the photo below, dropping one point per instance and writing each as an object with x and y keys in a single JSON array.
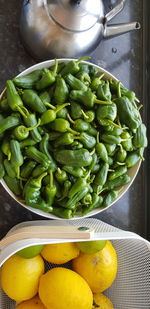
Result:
[{"x": 117, "y": 9}]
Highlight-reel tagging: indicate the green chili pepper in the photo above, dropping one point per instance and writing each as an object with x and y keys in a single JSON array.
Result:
[
  {"x": 76, "y": 110},
  {"x": 81, "y": 125},
  {"x": 31, "y": 99},
  {"x": 110, "y": 148},
  {"x": 44, "y": 148},
  {"x": 61, "y": 91},
  {"x": 88, "y": 115},
  {"x": 9, "y": 122},
  {"x": 88, "y": 141},
  {"x": 32, "y": 122},
  {"x": 38, "y": 156},
  {"x": 75, "y": 171},
  {"x": 77, "y": 158},
  {"x": 110, "y": 197},
  {"x": 45, "y": 97},
  {"x": 118, "y": 172},
  {"x": 121, "y": 180},
  {"x": 9, "y": 169},
  {"x": 61, "y": 125},
  {"x": 21, "y": 132},
  {"x": 6, "y": 148},
  {"x": 94, "y": 161},
  {"x": 14, "y": 100},
  {"x": 72, "y": 66},
  {"x": 88, "y": 98},
  {"x": 96, "y": 81},
  {"x": 60, "y": 175},
  {"x": 48, "y": 78},
  {"x": 111, "y": 139},
  {"x": 97, "y": 201},
  {"x": 121, "y": 155},
  {"x": 116, "y": 131},
  {"x": 101, "y": 176},
  {"x": 63, "y": 213},
  {"x": 102, "y": 152},
  {"x": 27, "y": 169},
  {"x": 66, "y": 186},
  {"x": 92, "y": 130},
  {"x": 54, "y": 135},
  {"x": 132, "y": 158},
  {"x": 75, "y": 83},
  {"x": 106, "y": 114},
  {"x": 71, "y": 203},
  {"x": 2, "y": 170},
  {"x": 93, "y": 70},
  {"x": 50, "y": 115},
  {"x": 65, "y": 139},
  {"x": 62, "y": 113},
  {"x": 127, "y": 144},
  {"x": 84, "y": 77},
  {"x": 128, "y": 114},
  {"x": 103, "y": 91},
  {"x": 50, "y": 190},
  {"x": 16, "y": 156},
  {"x": 79, "y": 184},
  {"x": 4, "y": 105},
  {"x": 27, "y": 142},
  {"x": 29, "y": 80},
  {"x": 87, "y": 199},
  {"x": 84, "y": 68},
  {"x": 13, "y": 185},
  {"x": 140, "y": 138},
  {"x": 38, "y": 170},
  {"x": 60, "y": 67}
]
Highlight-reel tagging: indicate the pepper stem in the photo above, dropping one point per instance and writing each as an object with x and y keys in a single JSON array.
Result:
[
  {"x": 140, "y": 107},
  {"x": 84, "y": 114},
  {"x": 102, "y": 102},
  {"x": 49, "y": 105},
  {"x": 82, "y": 59},
  {"x": 118, "y": 90},
  {"x": 39, "y": 179},
  {"x": 120, "y": 163},
  {"x": 23, "y": 111},
  {"x": 113, "y": 124},
  {"x": 55, "y": 67},
  {"x": 72, "y": 131},
  {"x": 97, "y": 137},
  {"x": 51, "y": 178},
  {"x": 70, "y": 119},
  {"x": 34, "y": 127},
  {"x": 61, "y": 107}
]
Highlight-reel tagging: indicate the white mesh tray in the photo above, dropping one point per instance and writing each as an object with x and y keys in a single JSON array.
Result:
[{"x": 131, "y": 288}]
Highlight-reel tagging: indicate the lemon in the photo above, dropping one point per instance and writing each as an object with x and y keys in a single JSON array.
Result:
[
  {"x": 91, "y": 246},
  {"x": 101, "y": 302},
  {"x": 20, "y": 277},
  {"x": 98, "y": 269},
  {"x": 60, "y": 253},
  {"x": 30, "y": 252},
  {"x": 63, "y": 288},
  {"x": 34, "y": 303}
]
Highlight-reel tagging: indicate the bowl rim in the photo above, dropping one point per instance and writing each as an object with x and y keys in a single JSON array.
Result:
[{"x": 49, "y": 63}]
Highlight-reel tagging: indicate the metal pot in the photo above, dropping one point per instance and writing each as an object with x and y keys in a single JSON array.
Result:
[{"x": 67, "y": 28}]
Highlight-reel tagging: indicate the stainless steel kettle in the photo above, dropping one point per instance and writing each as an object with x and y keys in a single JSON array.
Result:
[{"x": 67, "y": 28}]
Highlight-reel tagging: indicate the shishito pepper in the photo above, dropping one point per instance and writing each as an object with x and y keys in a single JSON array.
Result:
[
  {"x": 45, "y": 97},
  {"x": 72, "y": 202},
  {"x": 61, "y": 175},
  {"x": 88, "y": 115},
  {"x": 106, "y": 114},
  {"x": 128, "y": 114},
  {"x": 75, "y": 83},
  {"x": 65, "y": 139},
  {"x": 97, "y": 201},
  {"x": 79, "y": 184},
  {"x": 76, "y": 110},
  {"x": 50, "y": 115},
  {"x": 140, "y": 138},
  {"x": 32, "y": 194},
  {"x": 77, "y": 158},
  {"x": 21, "y": 132},
  {"x": 27, "y": 142},
  {"x": 101, "y": 150},
  {"x": 48, "y": 77},
  {"x": 14, "y": 100},
  {"x": 121, "y": 180},
  {"x": 9, "y": 169},
  {"x": 72, "y": 66},
  {"x": 101, "y": 176},
  {"x": 88, "y": 98},
  {"x": 110, "y": 197},
  {"x": 13, "y": 185},
  {"x": 33, "y": 101},
  {"x": 62, "y": 212},
  {"x": 27, "y": 169},
  {"x": 75, "y": 171},
  {"x": 96, "y": 81},
  {"x": 5, "y": 147},
  {"x": 29, "y": 80},
  {"x": 87, "y": 140},
  {"x": 33, "y": 153},
  {"x": 16, "y": 156},
  {"x": 132, "y": 158},
  {"x": 103, "y": 91},
  {"x": 9, "y": 122},
  {"x": 61, "y": 125},
  {"x": 44, "y": 148},
  {"x": 50, "y": 190},
  {"x": 31, "y": 121},
  {"x": 61, "y": 91},
  {"x": 127, "y": 143},
  {"x": 120, "y": 170}
]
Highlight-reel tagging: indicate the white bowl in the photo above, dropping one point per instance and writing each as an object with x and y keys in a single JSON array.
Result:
[{"x": 132, "y": 172}]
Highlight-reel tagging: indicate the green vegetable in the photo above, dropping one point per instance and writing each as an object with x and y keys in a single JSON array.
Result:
[
  {"x": 48, "y": 78},
  {"x": 77, "y": 158},
  {"x": 38, "y": 156},
  {"x": 33, "y": 101},
  {"x": 60, "y": 175},
  {"x": 16, "y": 156},
  {"x": 50, "y": 190},
  {"x": 61, "y": 91},
  {"x": 13, "y": 185},
  {"x": 140, "y": 138},
  {"x": 14, "y": 100},
  {"x": 29, "y": 80},
  {"x": 75, "y": 83},
  {"x": 44, "y": 148},
  {"x": 110, "y": 197},
  {"x": 27, "y": 169},
  {"x": 121, "y": 180},
  {"x": 101, "y": 176},
  {"x": 75, "y": 171},
  {"x": 32, "y": 122},
  {"x": 9, "y": 122}
]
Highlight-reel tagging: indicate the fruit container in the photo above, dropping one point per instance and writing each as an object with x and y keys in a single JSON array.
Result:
[{"x": 131, "y": 288}]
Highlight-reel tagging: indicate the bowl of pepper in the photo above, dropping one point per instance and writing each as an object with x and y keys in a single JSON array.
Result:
[{"x": 72, "y": 138}]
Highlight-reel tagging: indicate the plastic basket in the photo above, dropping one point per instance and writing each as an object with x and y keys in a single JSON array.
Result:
[{"x": 131, "y": 288}]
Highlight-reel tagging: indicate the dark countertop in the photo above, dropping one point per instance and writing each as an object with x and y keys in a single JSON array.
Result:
[{"x": 124, "y": 57}]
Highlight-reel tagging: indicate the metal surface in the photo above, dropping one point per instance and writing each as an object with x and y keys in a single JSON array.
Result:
[
  {"x": 67, "y": 28},
  {"x": 127, "y": 57}
]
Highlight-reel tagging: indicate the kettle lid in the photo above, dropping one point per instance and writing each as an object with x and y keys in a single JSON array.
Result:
[{"x": 75, "y": 15}]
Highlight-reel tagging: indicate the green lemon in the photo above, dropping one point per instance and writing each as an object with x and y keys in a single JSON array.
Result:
[
  {"x": 30, "y": 252},
  {"x": 91, "y": 247}
]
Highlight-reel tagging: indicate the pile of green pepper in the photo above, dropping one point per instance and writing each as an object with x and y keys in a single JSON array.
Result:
[{"x": 68, "y": 137}]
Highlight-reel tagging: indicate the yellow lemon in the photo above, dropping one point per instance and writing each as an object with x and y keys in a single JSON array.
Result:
[
  {"x": 63, "y": 288},
  {"x": 20, "y": 277},
  {"x": 60, "y": 253},
  {"x": 98, "y": 269},
  {"x": 101, "y": 302},
  {"x": 34, "y": 303}
]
